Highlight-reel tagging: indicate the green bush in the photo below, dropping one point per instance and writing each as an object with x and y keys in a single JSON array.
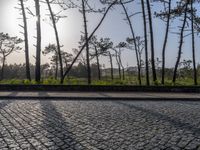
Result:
[
  {"x": 50, "y": 81},
  {"x": 26, "y": 82},
  {"x": 130, "y": 80}
]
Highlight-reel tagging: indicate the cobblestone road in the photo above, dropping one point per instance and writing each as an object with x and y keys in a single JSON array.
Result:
[{"x": 77, "y": 125}]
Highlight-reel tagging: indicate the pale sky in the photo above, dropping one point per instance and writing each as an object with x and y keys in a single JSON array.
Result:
[{"x": 71, "y": 27}]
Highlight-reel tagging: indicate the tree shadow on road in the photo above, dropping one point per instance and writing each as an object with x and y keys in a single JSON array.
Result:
[
  {"x": 4, "y": 102},
  {"x": 42, "y": 94},
  {"x": 175, "y": 122},
  {"x": 57, "y": 127},
  {"x": 13, "y": 94}
]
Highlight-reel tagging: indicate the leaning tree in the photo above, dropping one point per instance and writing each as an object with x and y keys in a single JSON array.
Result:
[
  {"x": 22, "y": 9},
  {"x": 182, "y": 8},
  {"x": 128, "y": 18},
  {"x": 165, "y": 15},
  {"x": 89, "y": 38},
  {"x": 54, "y": 17}
]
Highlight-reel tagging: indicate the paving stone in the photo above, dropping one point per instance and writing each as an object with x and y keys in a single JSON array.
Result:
[{"x": 90, "y": 125}]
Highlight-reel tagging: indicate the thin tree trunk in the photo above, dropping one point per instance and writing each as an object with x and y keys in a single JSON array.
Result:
[
  {"x": 38, "y": 46},
  {"x": 134, "y": 40},
  {"x": 111, "y": 65},
  {"x": 146, "y": 43},
  {"x": 152, "y": 41},
  {"x": 28, "y": 74},
  {"x": 123, "y": 70},
  {"x": 140, "y": 61},
  {"x": 98, "y": 65},
  {"x": 193, "y": 44},
  {"x": 119, "y": 67},
  {"x": 57, "y": 39},
  {"x": 2, "y": 68},
  {"x": 87, "y": 44},
  {"x": 56, "y": 73},
  {"x": 165, "y": 43},
  {"x": 180, "y": 45}
]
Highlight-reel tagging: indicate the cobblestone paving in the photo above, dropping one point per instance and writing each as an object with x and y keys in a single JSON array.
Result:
[{"x": 81, "y": 125}]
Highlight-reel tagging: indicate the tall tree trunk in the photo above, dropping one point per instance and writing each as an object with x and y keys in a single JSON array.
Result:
[
  {"x": 123, "y": 73},
  {"x": 165, "y": 43},
  {"x": 98, "y": 65},
  {"x": 152, "y": 41},
  {"x": 119, "y": 67},
  {"x": 87, "y": 42},
  {"x": 146, "y": 43},
  {"x": 140, "y": 61},
  {"x": 38, "y": 46},
  {"x": 2, "y": 68},
  {"x": 193, "y": 44},
  {"x": 28, "y": 74},
  {"x": 111, "y": 65},
  {"x": 57, "y": 40},
  {"x": 134, "y": 40},
  {"x": 56, "y": 73},
  {"x": 123, "y": 70},
  {"x": 180, "y": 45}
]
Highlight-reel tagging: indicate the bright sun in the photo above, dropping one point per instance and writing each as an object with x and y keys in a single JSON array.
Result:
[{"x": 12, "y": 19}]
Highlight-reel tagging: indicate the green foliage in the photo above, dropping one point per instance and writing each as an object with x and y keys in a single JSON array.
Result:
[
  {"x": 75, "y": 81},
  {"x": 50, "y": 81},
  {"x": 156, "y": 83},
  {"x": 100, "y": 82},
  {"x": 130, "y": 80},
  {"x": 26, "y": 82},
  {"x": 12, "y": 81}
]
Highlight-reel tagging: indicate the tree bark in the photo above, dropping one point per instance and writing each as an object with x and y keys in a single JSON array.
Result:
[
  {"x": 152, "y": 41},
  {"x": 180, "y": 45},
  {"x": 57, "y": 38},
  {"x": 193, "y": 45},
  {"x": 111, "y": 65},
  {"x": 134, "y": 40},
  {"x": 2, "y": 68},
  {"x": 165, "y": 43},
  {"x": 87, "y": 43},
  {"x": 98, "y": 65},
  {"x": 28, "y": 74},
  {"x": 123, "y": 70},
  {"x": 123, "y": 73},
  {"x": 119, "y": 67},
  {"x": 146, "y": 43},
  {"x": 38, "y": 46},
  {"x": 56, "y": 73}
]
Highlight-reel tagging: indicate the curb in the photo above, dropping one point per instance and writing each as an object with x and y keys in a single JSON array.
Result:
[
  {"x": 100, "y": 88},
  {"x": 97, "y": 98}
]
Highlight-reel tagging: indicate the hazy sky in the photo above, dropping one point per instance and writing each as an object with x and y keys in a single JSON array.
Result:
[{"x": 71, "y": 27}]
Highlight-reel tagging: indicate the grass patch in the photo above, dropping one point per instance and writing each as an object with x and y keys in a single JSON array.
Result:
[{"x": 105, "y": 81}]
